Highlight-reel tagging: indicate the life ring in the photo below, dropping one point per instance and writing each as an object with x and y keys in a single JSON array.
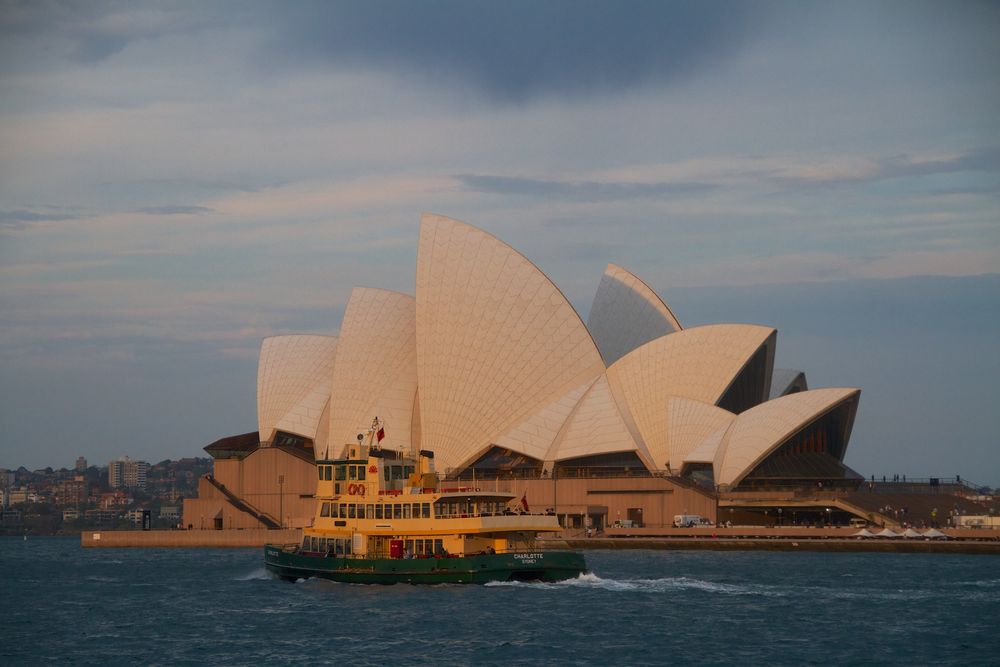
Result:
[
  {"x": 352, "y": 489},
  {"x": 360, "y": 489}
]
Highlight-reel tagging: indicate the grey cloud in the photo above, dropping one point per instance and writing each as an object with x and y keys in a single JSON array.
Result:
[
  {"x": 176, "y": 210},
  {"x": 983, "y": 160},
  {"x": 21, "y": 218},
  {"x": 587, "y": 191},
  {"x": 901, "y": 166},
  {"x": 517, "y": 49}
]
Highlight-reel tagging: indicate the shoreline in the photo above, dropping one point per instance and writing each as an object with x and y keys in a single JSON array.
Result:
[
  {"x": 242, "y": 539},
  {"x": 842, "y": 545}
]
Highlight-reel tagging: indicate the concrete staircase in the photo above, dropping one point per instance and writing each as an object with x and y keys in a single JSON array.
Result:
[{"x": 242, "y": 505}]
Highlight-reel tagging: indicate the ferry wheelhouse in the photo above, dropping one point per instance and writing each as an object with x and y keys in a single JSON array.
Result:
[{"x": 383, "y": 516}]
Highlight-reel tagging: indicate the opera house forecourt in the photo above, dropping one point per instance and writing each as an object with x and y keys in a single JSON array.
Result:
[{"x": 625, "y": 421}]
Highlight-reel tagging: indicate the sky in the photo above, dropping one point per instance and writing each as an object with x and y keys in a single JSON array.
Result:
[{"x": 179, "y": 180}]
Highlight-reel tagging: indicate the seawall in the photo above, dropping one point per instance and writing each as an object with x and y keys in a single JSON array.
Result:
[
  {"x": 189, "y": 538},
  {"x": 898, "y": 545}
]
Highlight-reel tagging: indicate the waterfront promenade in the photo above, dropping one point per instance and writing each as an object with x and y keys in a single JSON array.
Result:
[
  {"x": 189, "y": 538},
  {"x": 737, "y": 538}
]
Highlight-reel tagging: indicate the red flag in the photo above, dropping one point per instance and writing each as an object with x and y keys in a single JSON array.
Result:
[
  {"x": 524, "y": 501},
  {"x": 380, "y": 434}
]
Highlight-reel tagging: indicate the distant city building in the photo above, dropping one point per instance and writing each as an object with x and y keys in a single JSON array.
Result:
[
  {"x": 81, "y": 464},
  {"x": 71, "y": 491},
  {"x": 19, "y": 495},
  {"x": 114, "y": 499},
  {"x": 128, "y": 474},
  {"x": 170, "y": 512},
  {"x": 135, "y": 516},
  {"x": 102, "y": 516}
]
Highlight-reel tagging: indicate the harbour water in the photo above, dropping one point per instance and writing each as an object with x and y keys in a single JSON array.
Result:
[{"x": 201, "y": 606}]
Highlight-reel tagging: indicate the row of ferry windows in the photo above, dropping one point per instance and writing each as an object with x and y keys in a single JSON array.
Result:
[
  {"x": 352, "y": 472},
  {"x": 379, "y": 511},
  {"x": 333, "y": 545},
  {"x": 342, "y": 472},
  {"x": 456, "y": 508},
  {"x": 424, "y": 547},
  {"x": 344, "y": 546}
]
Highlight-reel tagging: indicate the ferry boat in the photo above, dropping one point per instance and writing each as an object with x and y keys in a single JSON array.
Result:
[{"x": 383, "y": 517}]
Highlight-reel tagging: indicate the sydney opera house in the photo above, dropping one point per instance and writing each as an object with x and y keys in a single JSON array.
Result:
[{"x": 627, "y": 419}]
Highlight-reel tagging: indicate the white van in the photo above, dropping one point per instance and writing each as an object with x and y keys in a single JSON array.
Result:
[
  {"x": 687, "y": 520},
  {"x": 858, "y": 522}
]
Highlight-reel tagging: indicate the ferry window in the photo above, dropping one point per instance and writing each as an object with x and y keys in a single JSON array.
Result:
[
  {"x": 326, "y": 510},
  {"x": 341, "y": 473},
  {"x": 416, "y": 510},
  {"x": 362, "y": 514},
  {"x": 340, "y": 546},
  {"x": 329, "y": 473},
  {"x": 406, "y": 510},
  {"x": 347, "y": 546},
  {"x": 408, "y": 470},
  {"x": 408, "y": 545},
  {"x": 351, "y": 509},
  {"x": 378, "y": 511},
  {"x": 371, "y": 511},
  {"x": 385, "y": 472},
  {"x": 320, "y": 471},
  {"x": 336, "y": 488},
  {"x": 397, "y": 512},
  {"x": 438, "y": 546},
  {"x": 397, "y": 472},
  {"x": 438, "y": 509},
  {"x": 305, "y": 544},
  {"x": 352, "y": 472},
  {"x": 361, "y": 472},
  {"x": 343, "y": 510},
  {"x": 425, "y": 510}
]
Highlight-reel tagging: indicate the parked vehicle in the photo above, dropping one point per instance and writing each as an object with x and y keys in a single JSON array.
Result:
[{"x": 688, "y": 520}]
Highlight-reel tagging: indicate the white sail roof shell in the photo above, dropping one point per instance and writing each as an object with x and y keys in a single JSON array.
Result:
[
  {"x": 705, "y": 451},
  {"x": 375, "y": 373},
  {"x": 495, "y": 339},
  {"x": 626, "y": 314},
  {"x": 536, "y": 435},
  {"x": 697, "y": 364},
  {"x": 597, "y": 426},
  {"x": 689, "y": 424},
  {"x": 293, "y": 384},
  {"x": 756, "y": 433}
]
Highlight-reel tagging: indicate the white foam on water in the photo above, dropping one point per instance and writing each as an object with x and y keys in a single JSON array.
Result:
[
  {"x": 259, "y": 573},
  {"x": 589, "y": 580}
]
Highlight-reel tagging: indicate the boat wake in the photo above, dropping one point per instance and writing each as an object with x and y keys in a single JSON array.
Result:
[
  {"x": 589, "y": 580},
  {"x": 259, "y": 573}
]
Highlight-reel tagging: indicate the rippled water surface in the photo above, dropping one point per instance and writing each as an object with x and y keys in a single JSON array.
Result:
[{"x": 65, "y": 604}]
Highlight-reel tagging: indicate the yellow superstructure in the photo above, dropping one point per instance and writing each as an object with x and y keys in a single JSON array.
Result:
[{"x": 385, "y": 503}]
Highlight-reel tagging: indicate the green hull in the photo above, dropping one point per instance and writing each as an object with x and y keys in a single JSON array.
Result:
[{"x": 526, "y": 566}]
